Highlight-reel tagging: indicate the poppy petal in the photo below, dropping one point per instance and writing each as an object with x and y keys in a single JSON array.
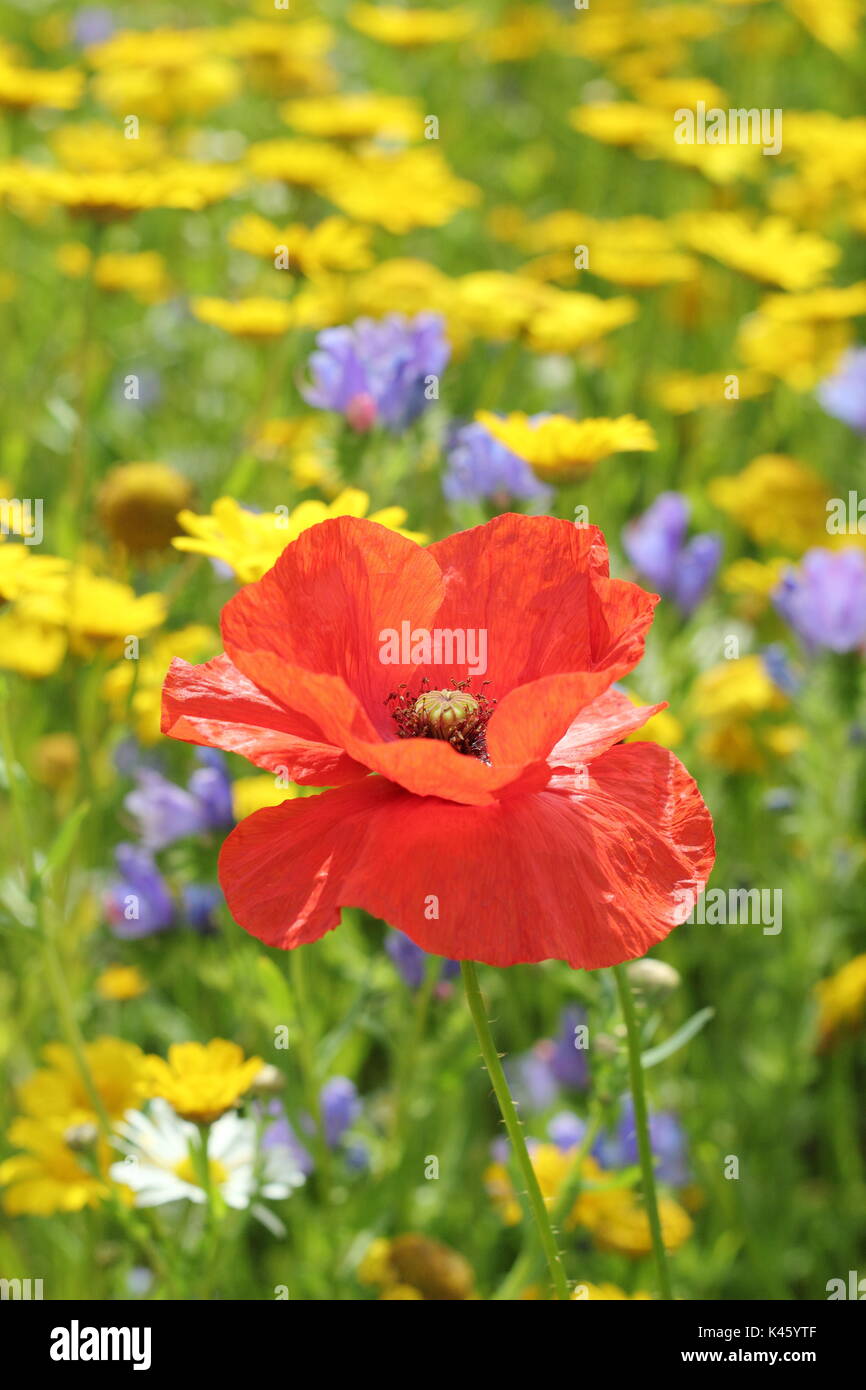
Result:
[
  {"x": 325, "y": 604},
  {"x": 539, "y": 587},
  {"x": 216, "y": 706},
  {"x": 590, "y": 876},
  {"x": 599, "y": 726}
]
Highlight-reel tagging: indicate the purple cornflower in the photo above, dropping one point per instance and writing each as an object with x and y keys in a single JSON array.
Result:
[
  {"x": 377, "y": 371},
  {"x": 843, "y": 393},
  {"x": 567, "y": 1130},
  {"x": 165, "y": 812},
  {"x": 553, "y": 1064},
  {"x": 778, "y": 667},
  {"x": 280, "y": 1135},
  {"x": 668, "y": 1143},
  {"x": 93, "y": 24},
  {"x": 200, "y": 902},
  {"x": 532, "y": 1082},
  {"x": 481, "y": 468},
  {"x": 211, "y": 785},
  {"x": 568, "y": 1061},
  {"x": 656, "y": 545},
  {"x": 138, "y": 902},
  {"x": 824, "y": 601},
  {"x": 340, "y": 1108},
  {"x": 410, "y": 960}
]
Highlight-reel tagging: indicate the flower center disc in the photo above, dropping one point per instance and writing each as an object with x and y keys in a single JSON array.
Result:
[{"x": 456, "y": 716}]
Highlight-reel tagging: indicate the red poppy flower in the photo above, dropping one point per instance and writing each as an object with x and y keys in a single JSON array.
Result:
[{"x": 507, "y": 821}]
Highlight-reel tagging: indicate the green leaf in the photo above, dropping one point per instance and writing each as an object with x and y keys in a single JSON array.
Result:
[
  {"x": 676, "y": 1040},
  {"x": 64, "y": 842}
]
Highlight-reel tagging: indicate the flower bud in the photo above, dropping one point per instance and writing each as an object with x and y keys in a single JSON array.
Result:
[
  {"x": 269, "y": 1081},
  {"x": 361, "y": 412},
  {"x": 81, "y": 1138},
  {"x": 653, "y": 976}
]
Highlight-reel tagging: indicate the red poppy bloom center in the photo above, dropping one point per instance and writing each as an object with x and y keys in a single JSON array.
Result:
[{"x": 456, "y": 716}]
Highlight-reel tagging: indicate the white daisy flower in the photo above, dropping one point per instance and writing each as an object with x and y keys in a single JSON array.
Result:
[{"x": 159, "y": 1164}]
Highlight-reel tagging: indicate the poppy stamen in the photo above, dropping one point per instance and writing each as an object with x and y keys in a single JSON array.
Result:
[{"x": 456, "y": 716}]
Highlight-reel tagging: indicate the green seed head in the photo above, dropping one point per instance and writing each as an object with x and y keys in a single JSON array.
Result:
[{"x": 445, "y": 710}]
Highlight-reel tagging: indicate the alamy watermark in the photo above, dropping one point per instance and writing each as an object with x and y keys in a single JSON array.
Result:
[
  {"x": 721, "y": 907},
  {"x": 439, "y": 646},
  {"x": 22, "y": 517},
  {"x": 739, "y": 126}
]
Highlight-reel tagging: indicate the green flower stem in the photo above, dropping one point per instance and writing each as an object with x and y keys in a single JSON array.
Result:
[
  {"x": 508, "y": 1110},
  {"x": 642, "y": 1125},
  {"x": 523, "y": 1270},
  {"x": 298, "y": 977}
]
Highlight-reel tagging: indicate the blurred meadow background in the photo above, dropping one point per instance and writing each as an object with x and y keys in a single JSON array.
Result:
[{"x": 189, "y": 201}]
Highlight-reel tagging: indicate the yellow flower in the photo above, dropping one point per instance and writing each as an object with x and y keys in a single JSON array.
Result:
[
  {"x": 110, "y": 197},
  {"x": 771, "y": 250},
  {"x": 191, "y": 186},
  {"x": 842, "y": 998},
  {"x": 94, "y": 148},
  {"x": 162, "y": 73},
  {"x": 400, "y": 190},
  {"x": 402, "y": 28},
  {"x": 605, "y": 1292},
  {"x": 49, "y": 1177},
  {"x": 753, "y": 582},
  {"x": 23, "y": 573},
  {"x": 30, "y": 648},
  {"x": 683, "y": 392},
  {"x": 355, "y": 116},
  {"x": 121, "y": 982},
  {"x": 613, "y": 1214},
  {"x": 73, "y": 258},
  {"x": 556, "y": 231},
  {"x": 732, "y": 746},
  {"x": 798, "y": 353},
  {"x": 636, "y": 252},
  {"x": 777, "y": 500},
  {"x": 133, "y": 689},
  {"x": 254, "y": 793},
  {"x": 57, "y": 1091},
  {"x": 551, "y": 1165},
  {"x": 252, "y": 542},
  {"x": 663, "y": 728},
  {"x": 735, "y": 690},
  {"x": 95, "y": 610},
  {"x": 296, "y": 442},
  {"x": 163, "y": 97},
  {"x": 55, "y": 760},
  {"x": 143, "y": 274},
  {"x": 835, "y": 23},
  {"x": 817, "y": 306},
  {"x": 523, "y": 32},
  {"x": 568, "y": 322},
  {"x": 138, "y": 504},
  {"x": 334, "y": 245},
  {"x": 302, "y": 163},
  {"x": 619, "y": 122},
  {"x": 202, "y": 1080},
  {"x": 785, "y": 739},
  {"x": 413, "y": 1266},
  {"x": 559, "y": 449},
  {"x": 495, "y": 305},
  {"x": 257, "y": 319},
  {"x": 21, "y": 88},
  {"x": 618, "y": 1222},
  {"x": 403, "y": 286}
]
